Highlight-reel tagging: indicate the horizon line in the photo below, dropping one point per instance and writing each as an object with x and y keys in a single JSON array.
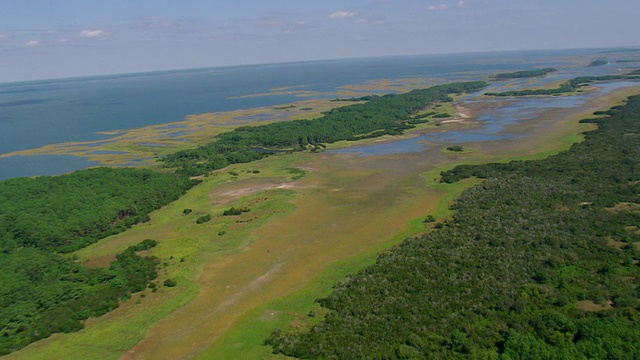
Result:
[{"x": 89, "y": 77}]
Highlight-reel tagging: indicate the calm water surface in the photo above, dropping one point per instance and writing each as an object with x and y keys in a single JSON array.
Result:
[
  {"x": 494, "y": 123},
  {"x": 33, "y": 114}
]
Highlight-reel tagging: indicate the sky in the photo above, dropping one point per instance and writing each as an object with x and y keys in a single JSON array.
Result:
[{"x": 43, "y": 39}]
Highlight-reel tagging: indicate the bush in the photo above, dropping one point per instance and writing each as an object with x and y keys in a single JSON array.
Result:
[
  {"x": 203, "y": 219},
  {"x": 233, "y": 211}
]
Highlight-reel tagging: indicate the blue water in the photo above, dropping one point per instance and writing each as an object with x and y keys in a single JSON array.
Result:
[
  {"x": 42, "y": 165},
  {"x": 34, "y": 114},
  {"x": 494, "y": 123},
  {"x": 38, "y": 113}
]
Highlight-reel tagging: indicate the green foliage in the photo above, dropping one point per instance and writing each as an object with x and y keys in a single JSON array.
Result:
[
  {"x": 297, "y": 173},
  {"x": 170, "y": 283},
  {"x": 68, "y": 212},
  {"x": 524, "y": 74},
  {"x": 381, "y": 115},
  {"x": 203, "y": 219},
  {"x": 505, "y": 277},
  {"x": 598, "y": 62},
  {"x": 42, "y": 293},
  {"x": 234, "y": 212},
  {"x": 187, "y": 211},
  {"x": 146, "y": 244},
  {"x": 456, "y": 148},
  {"x": 568, "y": 87},
  {"x": 429, "y": 219}
]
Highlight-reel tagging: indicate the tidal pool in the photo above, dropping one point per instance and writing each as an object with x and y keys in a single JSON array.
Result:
[{"x": 494, "y": 122}]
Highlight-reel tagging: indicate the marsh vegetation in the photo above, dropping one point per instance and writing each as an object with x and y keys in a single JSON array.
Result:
[
  {"x": 67, "y": 213},
  {"x": 540, "y": 259}
]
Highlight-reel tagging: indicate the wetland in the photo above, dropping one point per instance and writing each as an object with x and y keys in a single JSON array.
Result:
[{"x": 310, "y": 227}]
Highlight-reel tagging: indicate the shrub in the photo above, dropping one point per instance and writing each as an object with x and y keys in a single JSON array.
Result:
[{"x": 203, "y": 219}]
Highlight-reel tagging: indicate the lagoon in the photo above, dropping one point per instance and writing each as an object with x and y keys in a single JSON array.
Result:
[{"x": 38, "y": 113}]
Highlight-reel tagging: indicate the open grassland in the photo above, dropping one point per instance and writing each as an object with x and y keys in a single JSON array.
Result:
[{"x": 240, "y": 277}]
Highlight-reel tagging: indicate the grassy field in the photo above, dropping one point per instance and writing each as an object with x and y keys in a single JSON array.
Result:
[{"x": 314, "y": 219}]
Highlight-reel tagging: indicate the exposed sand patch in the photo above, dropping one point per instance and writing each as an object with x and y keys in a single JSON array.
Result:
[
  {"x": 232, "y": 195},
  {"x": 378, "y": 196},
  {"x": 588, "y": 305},
  {"x": 100, "y": 261},
  {"x": 452, "y": 121}
]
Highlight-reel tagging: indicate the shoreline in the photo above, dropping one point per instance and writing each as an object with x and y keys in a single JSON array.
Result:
[{"x": 340, "y": 185}]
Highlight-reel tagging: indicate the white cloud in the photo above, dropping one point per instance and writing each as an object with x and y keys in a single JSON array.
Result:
[
  {"x": 462, "y": 4},
  {"x": 438, "y": 7},
  {"x": 92, "y": 33},
  {"x": 32, "y": 43},
  {"x": 342, "y": 14},
  {"x": 370, "y": 21}
]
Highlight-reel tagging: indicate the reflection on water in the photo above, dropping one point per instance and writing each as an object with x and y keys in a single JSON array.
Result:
[
  {"x": 494, "y": 122},
  {"x": 39, "y": 113}
]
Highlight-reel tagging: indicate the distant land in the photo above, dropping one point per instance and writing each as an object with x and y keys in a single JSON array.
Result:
[{"x": 524, "y": 74}]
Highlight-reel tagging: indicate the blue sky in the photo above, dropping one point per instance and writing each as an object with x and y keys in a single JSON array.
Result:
[{"x": 61, "y": 38}]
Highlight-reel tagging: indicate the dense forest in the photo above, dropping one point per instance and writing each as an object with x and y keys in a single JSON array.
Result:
[
  {"x": 540, "y": 261},
  {"x": 390, "y": 114},
  {"x": 524, "y": 74},
  {"x": 42, "y": 292},
  {"x": 68, "y": 212},
  {"x": 569, "y": 86}
]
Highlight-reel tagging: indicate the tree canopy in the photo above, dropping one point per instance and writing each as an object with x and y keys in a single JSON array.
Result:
[
  {"x": 539, "y": 261},
  {"x": 380, "y": 115},
  {"x": 42, "y": 292},
  {"x": 524, "y": 74}
]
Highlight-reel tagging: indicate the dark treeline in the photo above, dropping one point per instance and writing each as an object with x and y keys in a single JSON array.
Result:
[
  {"x": 569, "y": 86},
  {"x": 540, "y": 261},
  {"x": 390, "y": 114},
  {"x": 68, "y": 212},
  {"x": 42, "y": 293},
  {"x": 598, "y": 62},
  {"x": 524, "y": 74}
]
